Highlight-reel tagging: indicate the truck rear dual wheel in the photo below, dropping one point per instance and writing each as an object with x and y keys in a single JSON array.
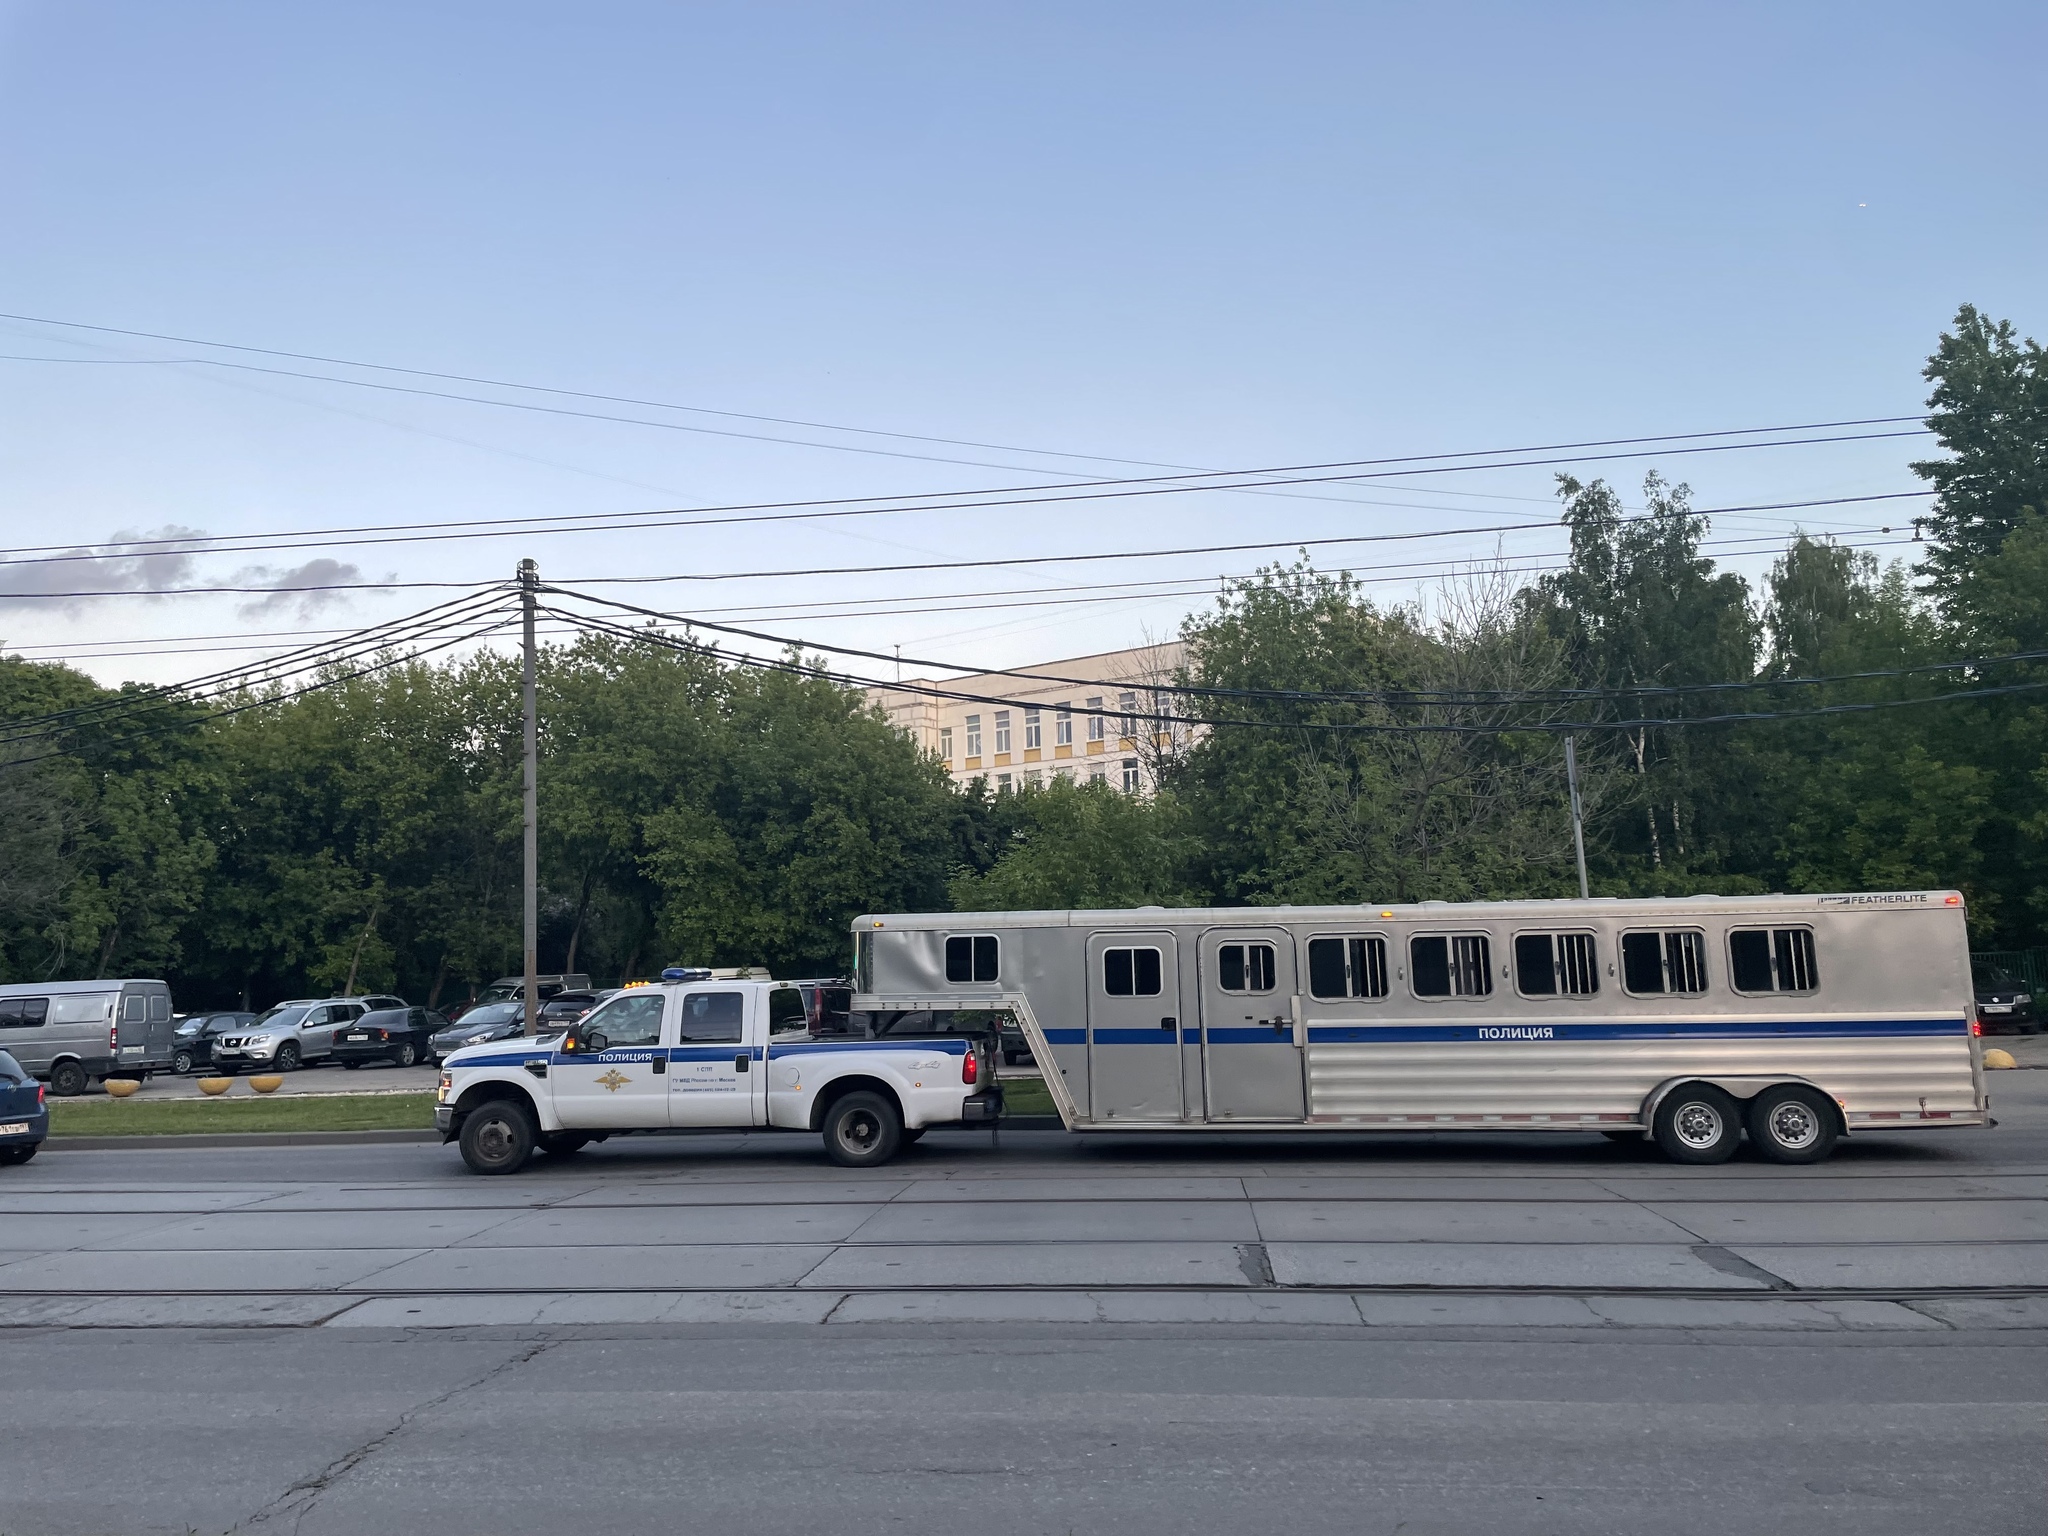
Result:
[
  {"x": 862, "y": 1130},
  {"x": 498, "y": 1137}
]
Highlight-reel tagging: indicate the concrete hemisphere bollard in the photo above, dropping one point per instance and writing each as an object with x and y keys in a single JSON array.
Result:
[
  {"x": 120, "y": 1087},
  {"x": 1996, "y": 1059},
  {"x": 268, "y": 1083},
  {"x": 214, "y": 1087}
]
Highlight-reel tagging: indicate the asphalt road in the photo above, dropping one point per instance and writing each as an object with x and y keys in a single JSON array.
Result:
[{"x": 1420, "y": 1334}]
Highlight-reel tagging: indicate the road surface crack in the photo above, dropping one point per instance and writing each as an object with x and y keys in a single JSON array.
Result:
[{"x": 297, "y": 1501}]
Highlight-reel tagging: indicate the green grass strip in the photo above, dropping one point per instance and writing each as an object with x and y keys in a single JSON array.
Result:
[
  {"x": 195, "y": 1117},
  {"x": 1027, "y": 1096}
]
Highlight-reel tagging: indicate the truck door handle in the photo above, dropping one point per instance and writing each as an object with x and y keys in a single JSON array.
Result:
[
  {"x": 739, "y": 1062},
  {"x": 660, "y": 1063},
  {"x": 1169, "y": 1023}
]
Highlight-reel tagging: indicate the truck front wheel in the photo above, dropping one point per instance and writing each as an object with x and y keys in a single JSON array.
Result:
[
  {"x": 497, "y": 1137},
  {"x": 862, "y": 1130}
]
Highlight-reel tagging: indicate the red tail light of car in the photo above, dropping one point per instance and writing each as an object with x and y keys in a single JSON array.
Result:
[{"x": 970, "y": 1065}]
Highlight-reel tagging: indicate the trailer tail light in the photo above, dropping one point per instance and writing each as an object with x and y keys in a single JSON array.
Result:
[{"x": 970, "y": 1065}]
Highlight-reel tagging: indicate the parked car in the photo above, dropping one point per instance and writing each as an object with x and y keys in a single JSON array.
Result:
[
  {"x": 192, "y": 1041},
  {"x": 24, "y": 1115},
  {"x": 2004, "y": 1003},
  {"x": 486, "y": 1021},
  {"x": 74, "y": 1033},
  {"x": 1014, "y": 1046},
  {"x": 566, "y": 1008},
  {"x": 291, "y": 1034},
  {"x": 510, "y": 988},
  {"x": 400, "y": 1036}
]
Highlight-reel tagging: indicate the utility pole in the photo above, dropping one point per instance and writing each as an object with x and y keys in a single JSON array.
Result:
[
  {"x": 529, "y": 591},
  {"x": 1571, "y": 776}
]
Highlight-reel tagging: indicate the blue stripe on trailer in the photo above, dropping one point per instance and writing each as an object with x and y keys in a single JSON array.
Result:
[
  {"x": 1073, "y": 1036},
  {"x": 1720, "y": 1029},
  {"x": 1153, "y": 1036}
]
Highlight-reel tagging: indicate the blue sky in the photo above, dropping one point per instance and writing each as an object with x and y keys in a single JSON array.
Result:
[{"x": 1187, "y": 234}]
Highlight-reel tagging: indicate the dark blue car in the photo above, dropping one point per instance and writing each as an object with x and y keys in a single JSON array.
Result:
[{"x": 24, "y": 1117}]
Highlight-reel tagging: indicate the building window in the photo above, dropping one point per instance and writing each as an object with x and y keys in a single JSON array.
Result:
[
  {"x": 1034, "y": 733},
  {"x": 971, "y": 957},
  {"x": 1556, "y": 965},
  {"x": 1130, "y": 972},
  {"x": 1064, "y": 775},
  {"x": 1772, "y": 960},
  {"x": 1033, "y": 779},
  {"x": 1130, "y": 775},
  {"x": 1339, "y": 968},
  {"x": 1453, "y": 965},
  {"x": 1127, "y": 727},
  {"x": 1002, "y": 730},
  {"x": 1095, "y": 719},
  {"x": 974, "y": 735},
  {"x": 1062, "y": 725},
  {"x": 946, "y": 742},
  {"x": 1002, "y": 783},
  {"x": 1098, "y": 774},
  {"x": 1655, "y": 963}
]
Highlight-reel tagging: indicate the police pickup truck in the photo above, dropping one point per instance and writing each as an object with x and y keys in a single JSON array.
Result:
[{"x": 696, "y": 1053}]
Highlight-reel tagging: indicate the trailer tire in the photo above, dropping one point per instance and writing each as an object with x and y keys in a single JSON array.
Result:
[
  {"x": 1791, "y": 1124},
  {"x": 68, "y": 1079},
  {"x": 1698, "y": 1123},
  {"x": 862, "y": 1130},
  {"x": 498, "y": 1136}
]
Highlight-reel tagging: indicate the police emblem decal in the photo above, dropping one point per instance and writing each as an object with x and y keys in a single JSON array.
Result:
[{"x": 613, "y": 1080}]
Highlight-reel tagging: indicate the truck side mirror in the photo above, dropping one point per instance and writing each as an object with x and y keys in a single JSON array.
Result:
[{"x": 595, "y": 1041}]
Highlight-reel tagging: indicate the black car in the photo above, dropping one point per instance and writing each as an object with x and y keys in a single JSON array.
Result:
[
  {"x": 192, "y": 1041},
  {"x": 565, "y": 1008},
  {"x": 486, "y": 1021},
  {"x": 24, "y": 1116},
  {"x": 2005, "y": 1004},
  {"x": 400, "y": 1036}
]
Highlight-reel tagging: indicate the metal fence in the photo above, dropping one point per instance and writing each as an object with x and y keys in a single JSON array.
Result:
[{"x": 2030, "y": 965}]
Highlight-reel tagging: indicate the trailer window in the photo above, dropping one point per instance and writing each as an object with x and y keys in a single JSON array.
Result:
[
  {"x": 1556, "y": 965},
  {"x": 1451, "y": 965},
  {"x": 23, "y": 1012},
  {"x": 1772, "y": 960},
  {"x": 1130, "y": 972},
  {"x": 971, "y": 957},
  {"x": 1244, "y": 967},
  {"x": 1355, "y": 967},
  {"x": 1653, "y": 964}
]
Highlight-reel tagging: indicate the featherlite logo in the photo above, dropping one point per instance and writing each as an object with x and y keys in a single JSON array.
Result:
[{"x": 1516, "y": 1032}]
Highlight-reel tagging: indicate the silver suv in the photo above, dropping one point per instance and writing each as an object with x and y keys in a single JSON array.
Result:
[{"x": 289, "y": 1035}]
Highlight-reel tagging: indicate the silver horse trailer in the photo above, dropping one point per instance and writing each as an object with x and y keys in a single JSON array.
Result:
[{"x": 1796, "y": 1019}]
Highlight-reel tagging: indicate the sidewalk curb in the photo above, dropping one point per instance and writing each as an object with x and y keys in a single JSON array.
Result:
[{"x": 239, "y": 1139}]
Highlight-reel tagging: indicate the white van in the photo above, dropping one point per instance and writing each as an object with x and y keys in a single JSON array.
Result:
[{"x": 75, "y": 1033}]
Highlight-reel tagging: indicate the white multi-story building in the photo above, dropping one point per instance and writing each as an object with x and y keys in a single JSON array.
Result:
[{"x": 1020, "y": 730}]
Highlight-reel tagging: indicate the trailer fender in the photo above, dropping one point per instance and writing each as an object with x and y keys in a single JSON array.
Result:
[{"x": 1741, "y": 1089}]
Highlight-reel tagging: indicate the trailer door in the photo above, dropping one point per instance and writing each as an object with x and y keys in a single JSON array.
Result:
[
  {"x": 1251, "y": 1045},
  {"x": 1134, "y": 1027}
]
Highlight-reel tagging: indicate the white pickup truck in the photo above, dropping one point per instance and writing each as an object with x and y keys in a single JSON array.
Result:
[{"x": 693, "y": 1053}]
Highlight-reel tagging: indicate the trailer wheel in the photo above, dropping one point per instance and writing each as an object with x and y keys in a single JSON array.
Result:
[
  {"x": 1698, "y": 1124},
  {"x": 862, "y": 1131},
  {"x": 497, "y": 1137},
  {"x": 68, "y": 1079},
  {"x": 1792, "y": 1124}
]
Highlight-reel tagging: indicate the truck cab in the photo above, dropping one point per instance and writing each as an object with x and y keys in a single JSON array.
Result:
[{"x": 699, "y": 1053}]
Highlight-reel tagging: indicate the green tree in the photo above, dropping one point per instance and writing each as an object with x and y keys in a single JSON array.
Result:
[{"x": 1084, "y": 846}]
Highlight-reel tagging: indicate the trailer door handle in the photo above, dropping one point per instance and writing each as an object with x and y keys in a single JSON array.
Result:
[
  {"x": 739, "y": 1062},
  {"x": 1169, "y": 1023}
]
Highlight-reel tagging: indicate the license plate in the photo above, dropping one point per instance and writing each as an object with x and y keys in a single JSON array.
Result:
[
  {"x": 355, "y": 1037},
  {"x": 1995, "y": 1007},
  {"x": 133, "y": 1050},
  {"x": 14, "y": 1128}
]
